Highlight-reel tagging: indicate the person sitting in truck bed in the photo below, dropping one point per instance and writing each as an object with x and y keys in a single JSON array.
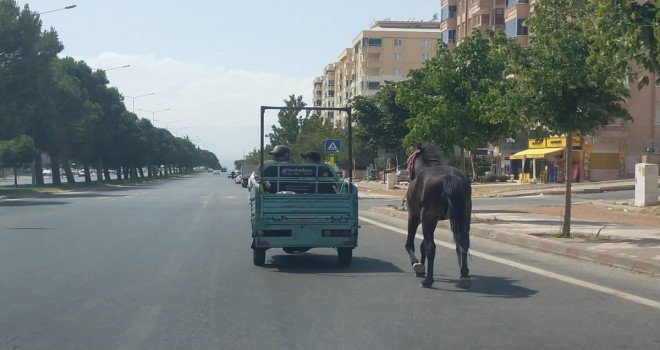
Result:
[
  {"x": 280, "y": 154},
  {"x": 310, "y": 157}
]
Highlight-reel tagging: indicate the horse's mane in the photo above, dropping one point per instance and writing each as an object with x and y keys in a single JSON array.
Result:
[{"x": 429, "y": 155}]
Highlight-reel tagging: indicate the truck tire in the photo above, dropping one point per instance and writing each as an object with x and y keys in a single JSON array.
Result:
[
  {"x": 259, "y": 256},
  {"x": 345, "y": 255}
]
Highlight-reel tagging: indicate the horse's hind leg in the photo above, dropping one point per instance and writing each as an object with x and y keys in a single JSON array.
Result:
[
  {"x": 413, "y": 223},
  {"x": 429, "y": 245},
  {"x": 465, "y": 281}
]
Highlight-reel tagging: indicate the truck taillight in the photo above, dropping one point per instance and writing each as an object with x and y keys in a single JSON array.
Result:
[{"x": 336, "y": 233}]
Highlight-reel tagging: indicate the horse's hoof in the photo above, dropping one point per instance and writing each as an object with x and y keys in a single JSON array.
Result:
[
  {"x": 419, "y": 269},
  {"x": 465, "y": 282},
  {"x": 427, "y": 283}
]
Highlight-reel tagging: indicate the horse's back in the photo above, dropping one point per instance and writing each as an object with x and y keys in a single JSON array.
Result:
[{"x": 434, "y": 187}]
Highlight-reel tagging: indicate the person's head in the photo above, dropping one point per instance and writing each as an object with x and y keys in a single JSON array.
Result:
[
  {"x": 281, "y": 153},
  {"x": 310, "y": 157}
]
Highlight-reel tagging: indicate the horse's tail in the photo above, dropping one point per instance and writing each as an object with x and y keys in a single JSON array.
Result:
[{"x": 459, "y": 196}]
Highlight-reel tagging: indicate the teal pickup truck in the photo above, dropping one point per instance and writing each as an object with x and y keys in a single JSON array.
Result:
[{"x": 300, "y": 206}]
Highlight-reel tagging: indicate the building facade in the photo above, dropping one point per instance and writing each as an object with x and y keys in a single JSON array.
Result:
[{"x": 387, "y": 51}]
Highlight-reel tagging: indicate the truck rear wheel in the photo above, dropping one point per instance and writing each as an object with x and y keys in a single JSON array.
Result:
[
  {"x": 259, "y": 256},
  {"x": 345, "y": 255}
]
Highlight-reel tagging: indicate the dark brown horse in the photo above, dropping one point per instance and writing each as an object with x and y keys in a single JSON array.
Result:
[{"x": 437, "y": 192}]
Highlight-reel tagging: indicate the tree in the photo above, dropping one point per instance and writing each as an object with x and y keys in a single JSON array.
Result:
[
  {"x": 25, "y": 56},
  {"x": 623, "y": 30},
  {"x": 553, "y": 90},
  {"x": 448, "y": 95},
  {"x": 17, "y": 152},
  {"x": 381, "y": 121},
  {"x": 289, "y": 124}
]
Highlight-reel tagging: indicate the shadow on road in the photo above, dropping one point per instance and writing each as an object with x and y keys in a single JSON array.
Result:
[
  {"x": 28, "y": 203},
  {"x": 310, "y": 263},
  {"x": 487, "y": 286}
]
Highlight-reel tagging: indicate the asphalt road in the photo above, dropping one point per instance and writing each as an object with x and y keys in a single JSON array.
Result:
[{"x": 168, "y": 266}]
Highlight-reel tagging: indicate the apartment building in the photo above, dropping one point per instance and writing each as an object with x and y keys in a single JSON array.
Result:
[
  {"x": 387, "y": 51},
  {"x": 609, "y": 153}
]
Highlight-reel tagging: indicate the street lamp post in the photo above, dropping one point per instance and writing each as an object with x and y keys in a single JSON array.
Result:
[
  {"x": 134, "y": 97},
  {"x": 153, "y": 113},
  {"x": 60, "y": 9},
  {"x": 124, "y": 66}
]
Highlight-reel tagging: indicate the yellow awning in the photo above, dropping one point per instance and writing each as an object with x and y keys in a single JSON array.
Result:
[{"x": 535, "y": 153}]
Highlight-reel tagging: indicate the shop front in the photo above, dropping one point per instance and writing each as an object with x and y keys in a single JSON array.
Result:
[
  {"x": 544, "y": 161},
  {"x": 604, "y": 158}
]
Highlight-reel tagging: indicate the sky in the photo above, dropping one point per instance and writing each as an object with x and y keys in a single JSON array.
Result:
[{"x": 211, "y": 64}]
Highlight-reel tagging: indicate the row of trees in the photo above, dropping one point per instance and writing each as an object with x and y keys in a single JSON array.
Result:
[
  {"x": 569, "y": 80},
  {"x": 64, "y": 108}
]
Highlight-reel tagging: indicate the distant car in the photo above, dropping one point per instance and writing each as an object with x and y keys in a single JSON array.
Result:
[
  {"x": 403, "y": 176},
  {"x": 217, "y": 172}
]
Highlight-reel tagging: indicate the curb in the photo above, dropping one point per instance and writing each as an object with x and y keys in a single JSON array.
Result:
[{"x": 641, "y": 266}]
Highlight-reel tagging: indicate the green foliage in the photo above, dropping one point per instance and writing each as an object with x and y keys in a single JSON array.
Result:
[
  {"x": 623, "y": 30},
  {"x": 555, "y": 88},
  {"x": 449, "y": 95},
  {"x": 289, "y": 123},
  {"x": 17, "y": 152},
  {"x": 380, "y": 126},
  {"x": 25, "y": 55}
]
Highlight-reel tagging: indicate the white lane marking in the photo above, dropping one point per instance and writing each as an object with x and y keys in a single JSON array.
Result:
[{"x": 528, "y": 268}]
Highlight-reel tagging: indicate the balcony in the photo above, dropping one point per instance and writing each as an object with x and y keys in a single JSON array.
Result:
[{"x": 520, "y": 10}]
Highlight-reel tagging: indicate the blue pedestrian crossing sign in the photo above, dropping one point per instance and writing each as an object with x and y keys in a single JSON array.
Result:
[{"x": 332, "y": 145}]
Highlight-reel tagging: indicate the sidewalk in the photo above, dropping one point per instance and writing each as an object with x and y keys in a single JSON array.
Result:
[{"x": 629, "y": 247}]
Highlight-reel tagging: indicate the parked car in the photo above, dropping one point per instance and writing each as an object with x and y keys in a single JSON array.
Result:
[
  {"x": 403, "y": 176},
  {"x": 217, "y": 172}
]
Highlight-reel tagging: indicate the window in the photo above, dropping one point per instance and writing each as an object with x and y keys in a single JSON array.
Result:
[
  {"x": 515, "y": 27},
  {"x": 396, "y": 71},
  {"x": 510, "y": 3},
  {"x": 397, "y": 57},
  {"x": 447, "y": 12},
  {"x": 657, "y": 114},
  {"x": 498, "y": 17},
  {"x": 372, "y": 42},
  {"x": 522, "y": 28},
  {"x": 426, "y": 43},
  {"x": 425, "y": 57},
  {"x": 373, "y": 85},
  {"x": 398, "y": 42},
  {"x": 330, "y": 83},
  {"x": 449, "y": 36}
]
